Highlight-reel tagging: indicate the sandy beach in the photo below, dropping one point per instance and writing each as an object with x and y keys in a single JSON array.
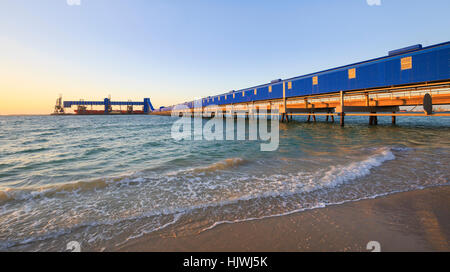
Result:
[{"x": 410, "y": 221}]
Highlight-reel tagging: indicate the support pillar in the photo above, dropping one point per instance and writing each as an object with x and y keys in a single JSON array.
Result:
[
  {"x": 394, "y": 121},
  {"x": 373, "y": 119},
  {"x": 107, "y": 103},
  {"x": 342, "y": 114}
]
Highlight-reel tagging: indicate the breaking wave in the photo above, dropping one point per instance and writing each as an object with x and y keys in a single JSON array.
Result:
[
  {"x": 21, "y": 194},
  {"x": 271, "y": 186},
  {"x": 334, "y": 176}
]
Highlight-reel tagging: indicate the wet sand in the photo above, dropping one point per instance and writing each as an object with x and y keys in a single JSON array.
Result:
[{"x": 411, "y": 221}]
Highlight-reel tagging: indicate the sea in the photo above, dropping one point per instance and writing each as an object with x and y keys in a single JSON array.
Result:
[{"x": 104, "y": 181}]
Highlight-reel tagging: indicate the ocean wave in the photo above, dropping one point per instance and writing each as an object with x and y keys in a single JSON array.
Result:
[
  {"x": 36, "y": 140},
  {"x": 23, "y": 194},
  {"x": 323, "y": 179},
  {"x": 95, "y": 151},
  {"x": 336, "y": 175},
  {"x": 317, "y": 206},
  {"x": 31, "y": 150},
  {"x": 176, "y": 217},
  {"x": 4, "y": 245},
  {"x": 220, "y": 165}
]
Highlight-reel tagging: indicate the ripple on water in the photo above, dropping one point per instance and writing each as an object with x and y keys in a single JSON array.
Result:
[{"x": 106, "y": 180}]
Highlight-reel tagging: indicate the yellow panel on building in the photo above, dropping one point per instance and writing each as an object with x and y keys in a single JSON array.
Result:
[
  {"x": 234, "y": 96},
  {"x": 290, "y": 85},
  {"x": 270, "y": 89},
  {"x": 315, "y": 80},
  {"x": 406, "y": 63},
  {"x": 256, "y": 91},
  {"x": 352, "y": 73},
  {"x": 243, "y": 93}
]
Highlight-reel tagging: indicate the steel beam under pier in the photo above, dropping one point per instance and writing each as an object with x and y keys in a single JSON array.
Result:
[
  {"x": 372, "y": 109},
  {"x": 371, "y": 103},
  {"x": 308, "y": 110}
]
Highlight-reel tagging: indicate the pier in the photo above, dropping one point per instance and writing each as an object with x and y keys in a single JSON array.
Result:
[
  {"x": 107, "y": 105},
  {"x": 415, "y": 77}
]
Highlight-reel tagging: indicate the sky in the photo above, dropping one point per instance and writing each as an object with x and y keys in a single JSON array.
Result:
[{"x": 175, "y": 51}]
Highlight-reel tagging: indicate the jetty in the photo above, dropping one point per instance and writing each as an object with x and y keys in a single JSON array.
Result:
[{"x": 414, "y": 76}]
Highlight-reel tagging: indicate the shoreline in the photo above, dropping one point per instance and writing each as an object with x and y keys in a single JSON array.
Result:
[{"x": 410, "y": 221}]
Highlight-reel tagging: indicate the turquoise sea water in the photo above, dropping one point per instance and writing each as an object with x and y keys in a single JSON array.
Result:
[{"x": 106, "y": 180}]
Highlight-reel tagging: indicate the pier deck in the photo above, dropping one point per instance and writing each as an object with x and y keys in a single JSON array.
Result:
[
  {"x": 372, "y": 103},
  {"x": 413, "y": 76}
]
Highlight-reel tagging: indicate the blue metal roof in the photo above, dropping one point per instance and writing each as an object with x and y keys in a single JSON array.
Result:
[
  {"x": 349, "y": 65},
  {"x": 431, "y": 63}
]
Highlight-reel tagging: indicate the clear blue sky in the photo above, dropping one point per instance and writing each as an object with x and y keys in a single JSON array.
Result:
[{"x": 173, "y": 51}]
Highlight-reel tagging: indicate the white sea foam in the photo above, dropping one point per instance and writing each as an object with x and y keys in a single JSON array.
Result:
[
  {"x": 338, "y": 175},
  {"x": 317, "y": 206},
  {"x": 272, "y": 186}
]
